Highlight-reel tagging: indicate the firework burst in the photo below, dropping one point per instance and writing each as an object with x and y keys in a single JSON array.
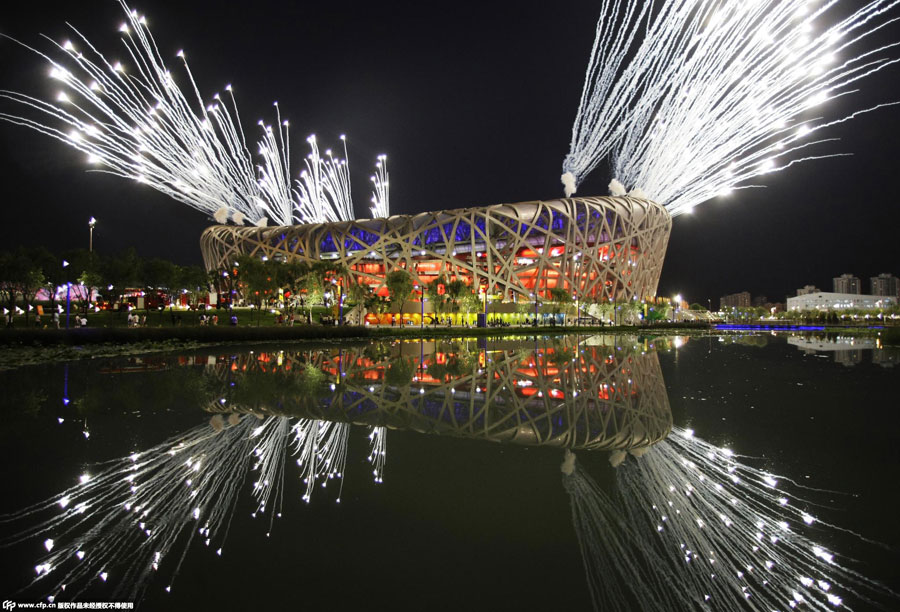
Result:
[
  {"x": 690, "y": 99},
  {"x": 131, "y": 119}
]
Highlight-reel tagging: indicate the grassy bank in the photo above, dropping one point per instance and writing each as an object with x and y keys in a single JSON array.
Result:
[
  {"x": 263, "y": 333},
  {"x": 19, "y": 347}
]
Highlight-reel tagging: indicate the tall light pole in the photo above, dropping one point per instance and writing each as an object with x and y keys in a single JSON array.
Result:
[
  {"x": 91, "y": 223},
  {"x": 422, "y": 302},
  {"x": 65, "y": 264}
]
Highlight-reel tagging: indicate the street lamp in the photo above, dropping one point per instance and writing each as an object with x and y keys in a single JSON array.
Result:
[
  {"x": 91, "y": 223},
  {"x": 422, "y": 302},
  {"x": 677, "y": 300},
  {"x": 65, "y": 264}
]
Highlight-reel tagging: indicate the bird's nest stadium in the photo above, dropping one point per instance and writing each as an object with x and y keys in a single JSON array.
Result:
[{"x": 597, "y": 248}]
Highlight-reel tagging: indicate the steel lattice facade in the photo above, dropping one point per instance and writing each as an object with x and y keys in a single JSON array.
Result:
[
  {"x": 605, "y": 248},
  {"x": 603, "y": 397}
]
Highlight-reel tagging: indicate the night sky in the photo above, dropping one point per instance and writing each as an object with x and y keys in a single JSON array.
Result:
[{"x": 472, "y": 102}]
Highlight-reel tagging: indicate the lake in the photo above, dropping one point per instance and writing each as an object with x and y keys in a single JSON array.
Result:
[{"x": 746, "y": 471}]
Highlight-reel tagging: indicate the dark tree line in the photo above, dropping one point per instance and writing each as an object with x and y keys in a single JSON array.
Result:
[{"x": 25, "y": 271}]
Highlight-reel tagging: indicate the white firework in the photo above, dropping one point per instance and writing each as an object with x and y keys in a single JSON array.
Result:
[
  {"x": 696, "y": 527},
  {"x": 321, "y": 449},
  {"x": 689, "y": 99},
  {"x": 121, "y": 522},
  {"x": 377, "y": 454},
  {"x": 381, "y": 205},
  {"x": 323, "y": 189},
  {"x": 132, "y": 119}
]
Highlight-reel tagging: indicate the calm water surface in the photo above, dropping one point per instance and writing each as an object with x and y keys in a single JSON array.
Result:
[{"x": 458, "y": 474}]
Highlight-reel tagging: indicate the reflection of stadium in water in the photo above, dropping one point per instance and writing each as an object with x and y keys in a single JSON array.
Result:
[
  {"x": 124, "y": 521},
  {"x": 600, "y": 395},
  {"x": 687, "y": 526}
]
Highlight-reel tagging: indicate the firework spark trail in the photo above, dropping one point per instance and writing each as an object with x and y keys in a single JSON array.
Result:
[
  {"x": 323, "y": 189},
  {"x": 321, "y": 447},
  {"x": 272, "y": 440},
  {"x": 119, "y": 523},
  {"x": 377, "y": 456},
  {"x": 381, "y": 205},
  {"x": 142, "y": 126},
  {"x": 694, "y": 98},
  {"x": 612, "y": 546},
  {"x": 726, "y": 533},
  {"x": 275, "y": 170},
  {"x": 137, "y": 123}
]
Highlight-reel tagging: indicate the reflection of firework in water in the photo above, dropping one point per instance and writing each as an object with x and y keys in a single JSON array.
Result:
[
  {"x": 696, "y": 527},
  {"x": 120, "y": 523},
  {"x": 692, "y": 98},
  {"x": 134, "y": 121}
]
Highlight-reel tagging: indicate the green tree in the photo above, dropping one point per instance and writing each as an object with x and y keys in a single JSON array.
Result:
[
  {"x": 24, "y": 278},
  {"x": 455, "y": 290},
  {"x": 470, "y": 302},
  {"x": 560, "y": 299},
  {"x": 289, "y": 277},
  {"x": 8, "y": 288},
  {"x": 358, "y": 292},
  {"x": 121, "y": 272},
  {"x": 32, "y": 282},
  {"x": 193, "y": 280},
  {"x": 400, "y": 285},
  {"x": 256, "y": 280},
  {"x": 439, "y": 302},
  {"x": 160, "y": 274},
  {"x": 400, "y": 372}
]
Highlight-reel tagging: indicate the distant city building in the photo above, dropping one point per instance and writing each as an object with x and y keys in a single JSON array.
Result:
[
  {"x": 806, "y": 290},
  {"x": 886, "y": 357},
  {"x": 830, "y": 345},
  {"x": 848, "y": 358},
  {"x": 839, "y": 301},
  {"x": 847, "y": 283},
  {"x": 760, "y": 301},
  {"x": 885, "y": 284},
  {"x": 735, "y": 300}
]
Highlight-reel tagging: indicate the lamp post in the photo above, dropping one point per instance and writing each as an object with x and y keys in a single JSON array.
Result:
[
  {"x": 338, "y": 289},
  {"x": 91, "y": 223},
  {"x": 68, "y": 302},
  {"x": 65, "y": 264},
  {"x": 422, "y": 303},
  {"x": 534, "y": 295}
]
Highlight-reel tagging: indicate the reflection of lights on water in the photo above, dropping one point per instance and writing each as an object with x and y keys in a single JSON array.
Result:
[{"x": 682, "y": 528}]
